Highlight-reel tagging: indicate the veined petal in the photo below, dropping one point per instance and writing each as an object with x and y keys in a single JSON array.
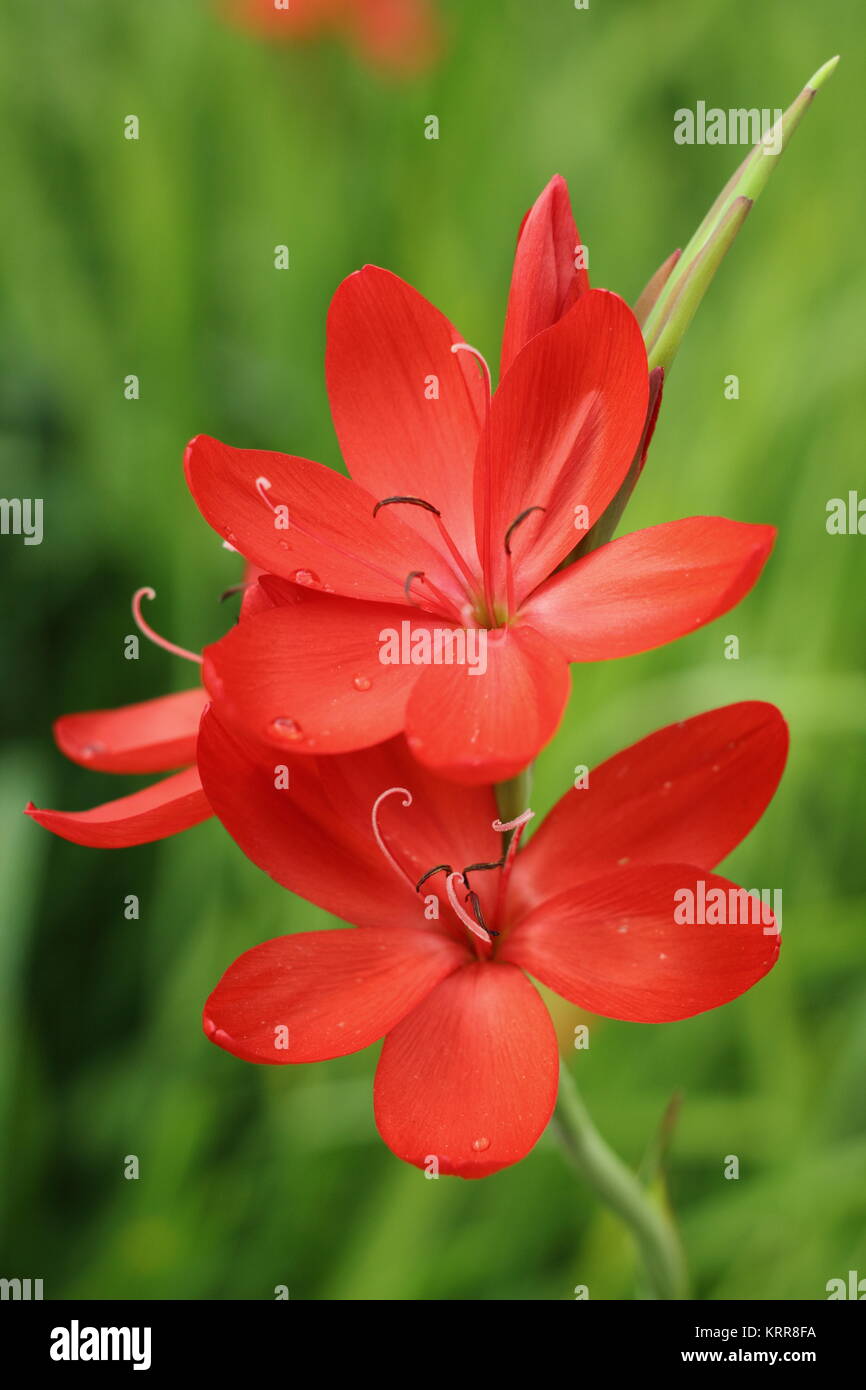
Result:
[
  {"x": 650, "y": 587},
  {"x": 470, "y": 1076},
  {"x": 153, "y": 736},
  {"x": 322, "y": 994},
  {"x": 407, "y": 410},
  {"x": 545, "y": 281},
  {"x": 688, "y": 793},
  {"x": 153, "y": 813},
  {"x": 617, "y": 946},
  {"x": 484, "y": 725},
  {"x": 564, "y": 427},
  {"x": 319, "y": 529}
]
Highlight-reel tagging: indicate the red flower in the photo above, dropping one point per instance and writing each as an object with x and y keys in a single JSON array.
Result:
[
  {"x": 468, "y": 1071},
  {"x": 395, "y": 34},
  {"x": 483, "y": 501},
  {"x": 153, "y": 736}
]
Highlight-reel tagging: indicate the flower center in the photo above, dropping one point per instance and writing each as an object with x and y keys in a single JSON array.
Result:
[{"x": 463, "y": 899}]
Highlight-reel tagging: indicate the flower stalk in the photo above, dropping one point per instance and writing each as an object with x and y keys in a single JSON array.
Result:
[{"x": 617, "y": 1186}]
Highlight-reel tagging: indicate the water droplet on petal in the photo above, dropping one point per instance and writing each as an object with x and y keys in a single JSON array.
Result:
[
  {"x": 626, "y": 859},
  {"x": 666, "y": 786},
  {"x": 287, "y": 728},
  {"x": 308, "y": 578},
  {"x": 362, "y": 683},
  {"x": 479, "y": 1145},
  {"x": 715, "y": 767},
  {"x": 90, "y": 750},
  {"x": 283, "y": 545}
]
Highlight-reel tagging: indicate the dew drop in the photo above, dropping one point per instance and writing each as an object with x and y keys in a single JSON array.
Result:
[
  {"x": 308, "y": 578},
  {"x": 362, "y": 683},
  {"x": 90, "y": 750},
  {"x": 479, "y": 1145},
  {"x": 626, "y": 859},
  {"x": 666, "y": 786},
  {"x": 287, "y": 728},
  {"x": 283, "y": 545}
]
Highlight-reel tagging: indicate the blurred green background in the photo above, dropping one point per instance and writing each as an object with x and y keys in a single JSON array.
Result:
[{"x": 156, "y": 258}]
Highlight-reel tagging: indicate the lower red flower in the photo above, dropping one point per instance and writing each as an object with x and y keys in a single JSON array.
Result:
[{"x": 449, "y": 927}]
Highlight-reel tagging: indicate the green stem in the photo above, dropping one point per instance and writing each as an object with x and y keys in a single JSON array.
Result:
[
  {"x": 513, "y": 796},
  {"x": 617, "y": 1186}
]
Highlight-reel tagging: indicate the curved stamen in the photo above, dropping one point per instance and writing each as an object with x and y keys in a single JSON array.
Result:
[
  {"x": 516, "y": 522},
  {"x": 518, "y": 825},
  {"x": 409, "y": 501},
  {"x": 407, "y": 801},
  {"x": 442, "y": 598},
  {"x": 470, "y": 922},
  {"x": 443, "y": 531},
  {"x": 148, "y": 631},
  {"x": 480, "y": 359},
  {"x": 234, "y": 589},
  {"x": 509, "y": 564},
  {"x": 473, "y": 898},
  {"x": 263, "y": 487},
  {"x": 430, "y": 872}
]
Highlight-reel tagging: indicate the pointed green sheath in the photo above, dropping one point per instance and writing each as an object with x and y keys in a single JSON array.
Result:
[
  {"x": 667, "y": 305},
  {"x": 675, "y": 291}
]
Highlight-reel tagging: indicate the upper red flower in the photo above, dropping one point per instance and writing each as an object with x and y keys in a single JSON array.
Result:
[
  {"x": 468, "y": 1072},
  {"x": 396, "y": 34},
  {"x": 486, "y": 498}
]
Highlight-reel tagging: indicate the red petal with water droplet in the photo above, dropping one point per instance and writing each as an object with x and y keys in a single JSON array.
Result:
[
  {"x": 153, "y": 813},
  {"x": 545, "y": 281},
  {"x": 322, "y": 994},
  {"x": 469, "y": 1078},
  {"x": 154, "y": 736},
  {"x": 650, "y": 587},
  {"x": 688, "y": 793},
  {"x": 486, "y": 726},
  {"x": 326, "y": 529},
  {"x": 300, "y": 664},
  {"x": 614, "y": 947}
]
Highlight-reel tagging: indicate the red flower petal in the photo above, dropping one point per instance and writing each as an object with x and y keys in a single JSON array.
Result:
[
  {"x": 478, "y": 727},
  {"x": 327, "y": 536},
  {"x": 315, "y": 836},
  {"x": 153, "y": 813},
  {"x": 334, "y": 991},
  {"x": 153, "y": 736},
  {"x": 650, "y": 587},
  {"x": 563, "y": 430},
  {"x": 388, "y": 350},
  {"x": 470, "y": 1076},
  {"x": 308, "y": 678},
  {"x": 545, "y": 281},
  {"x": 613, "y": 946},
  {"x": 686, "y": 794}
]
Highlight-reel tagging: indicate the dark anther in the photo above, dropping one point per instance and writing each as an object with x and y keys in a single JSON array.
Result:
[
  {"x": 413, "y": 502},
  {"x": 516, "y": 522},
  {"x": 416, "y": 574},
  {"x": 471, "y": 868},
  {"x": 475, "y": 903},
  {"x": 431, "y": 872},
  {"x": 235, "y": 589}
]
